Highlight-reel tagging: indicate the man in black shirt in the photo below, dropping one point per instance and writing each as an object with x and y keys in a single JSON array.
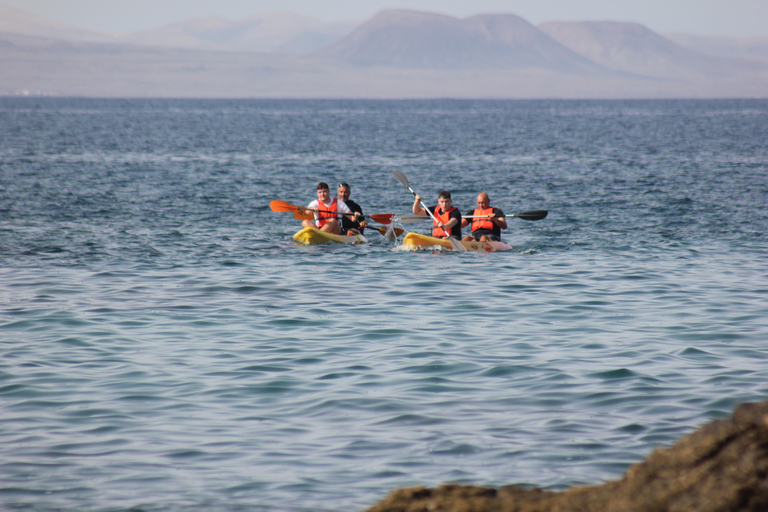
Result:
[
  {"x": 351, "y": 227},
  {"x": 487, "y": 222},
  {"x": 446, "y": 217}
]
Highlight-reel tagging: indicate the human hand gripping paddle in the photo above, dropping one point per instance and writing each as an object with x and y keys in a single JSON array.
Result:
[
  {"x": 455, "y": 244},
  {"x": 303, "y": 213}
]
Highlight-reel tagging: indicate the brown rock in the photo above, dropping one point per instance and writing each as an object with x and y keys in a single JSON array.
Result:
[{"x": 722, "y": 467}]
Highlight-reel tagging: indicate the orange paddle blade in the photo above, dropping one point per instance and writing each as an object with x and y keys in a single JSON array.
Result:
[
  {"x": 382, "y": 218},
  {"x": 383, "y": 231},
  {"x": 281, "y": 206},
  {"x": 303, "y": 214}
]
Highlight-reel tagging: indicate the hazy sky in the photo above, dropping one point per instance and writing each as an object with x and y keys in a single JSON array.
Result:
[{"x": 706, "y": 17}]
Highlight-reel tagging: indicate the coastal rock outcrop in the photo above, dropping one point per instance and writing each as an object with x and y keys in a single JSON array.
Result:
[{"x": 721, "y": 467}]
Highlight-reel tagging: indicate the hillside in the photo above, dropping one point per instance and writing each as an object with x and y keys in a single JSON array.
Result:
[
  {"x": 633, "y": 48},
  {"x": 15, "y": 21},
  {"x": 418, "y": 40},
  {"x": 276, "y": 32},
  {"x": 749, "y": 48},
  {"x": 396, "y": 54}
]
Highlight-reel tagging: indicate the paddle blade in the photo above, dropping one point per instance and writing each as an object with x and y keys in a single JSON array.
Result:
[
  {"x": 382, "y": 218},
  {"x": 411, "y": 218},
  {"x": 532, "y": 215},
  {"x": 456, "y": 245},
  {"x": 281, "y": 206},
  {"x": 384, "y": 231},
  {"x": 303, "y": 214},
  {"x": 401, "y": 178}
]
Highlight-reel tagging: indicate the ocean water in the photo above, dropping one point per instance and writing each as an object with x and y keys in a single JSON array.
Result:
[{"x": 165, "y": 346}]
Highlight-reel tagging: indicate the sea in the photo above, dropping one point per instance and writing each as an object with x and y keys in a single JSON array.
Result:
[{"x": 165, "y": 346}]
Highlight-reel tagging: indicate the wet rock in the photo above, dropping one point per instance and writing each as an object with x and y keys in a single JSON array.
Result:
[{"x": 722, "y": 467}]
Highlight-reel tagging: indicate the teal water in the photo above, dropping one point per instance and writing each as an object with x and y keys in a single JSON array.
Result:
[{"x": 165, "y": 346}]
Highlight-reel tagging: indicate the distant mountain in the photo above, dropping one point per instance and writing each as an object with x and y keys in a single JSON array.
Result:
[
  {"x": 276, "y": 32},
  {"x": 733, "y": 47},
  {"x": 636, "y": 49},
  {"x": 397, "y": 54},
  {"x": 15, "y": 21},
  {"x": 419, "y": 40}
]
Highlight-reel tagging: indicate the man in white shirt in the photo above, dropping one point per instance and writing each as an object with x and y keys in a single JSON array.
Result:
[{"x": 328, "y": 211}]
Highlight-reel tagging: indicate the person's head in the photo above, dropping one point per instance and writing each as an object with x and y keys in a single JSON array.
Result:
[
  {"x": 483, "y": 201},
  {"x": 323, "y": 192},
  {"x": 444, "y": 200},
  {"x": 344, "y": 191}
]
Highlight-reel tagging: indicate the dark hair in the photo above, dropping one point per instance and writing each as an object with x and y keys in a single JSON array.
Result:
[
  {"x": 322, "y": 186},
  {"x": 345, "y": 184},
  {"x": 445, "y": 194}
]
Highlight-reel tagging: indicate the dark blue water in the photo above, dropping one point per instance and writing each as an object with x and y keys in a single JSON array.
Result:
[{"x": 165, "y": 346}]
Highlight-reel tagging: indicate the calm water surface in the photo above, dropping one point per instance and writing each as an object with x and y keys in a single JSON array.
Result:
[{"x": 164, "y": 346}]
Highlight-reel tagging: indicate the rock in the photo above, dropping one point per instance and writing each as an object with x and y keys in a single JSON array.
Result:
[{"x": 722, "y": 467}]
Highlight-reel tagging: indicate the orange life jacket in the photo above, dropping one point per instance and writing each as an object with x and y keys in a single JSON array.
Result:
[
  {"x": 444, "y": 217},
  {"x": 325, "y": 213},
  {"x": 482, "y": 223}
]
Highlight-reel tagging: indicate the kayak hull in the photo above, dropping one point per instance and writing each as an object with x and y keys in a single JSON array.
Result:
[
  {"x": 311, "y": 236},
  {"x": 419, "y": 241}
]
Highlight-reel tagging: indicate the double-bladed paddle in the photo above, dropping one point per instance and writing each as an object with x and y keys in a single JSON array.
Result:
[
  {"x": 411, "y": 218},
  {"x": 532, "y": 215},
  {"x": 455, "y": 244}
]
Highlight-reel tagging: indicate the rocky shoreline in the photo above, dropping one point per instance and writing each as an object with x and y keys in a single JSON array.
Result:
[{"x": 721, "y": 467}]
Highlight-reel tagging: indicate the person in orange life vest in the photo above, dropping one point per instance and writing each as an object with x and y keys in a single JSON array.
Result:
[
  {"x": 448, "y": 217},
  {"x": 485, "y": 229},
  {"x": 329, "y": 211}
]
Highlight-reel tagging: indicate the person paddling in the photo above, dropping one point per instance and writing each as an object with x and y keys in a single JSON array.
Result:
[
  {"x": 487, "y": 222},
  {"x": 447, "y": 217},
  {"x": 327, "y": 211},
  {"x": 358, "y": 224}
]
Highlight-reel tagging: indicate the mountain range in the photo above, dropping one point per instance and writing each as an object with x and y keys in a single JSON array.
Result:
[{"x": 396, "y": 53}]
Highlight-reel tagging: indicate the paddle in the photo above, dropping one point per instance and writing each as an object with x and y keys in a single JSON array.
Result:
[
  {"x": 299, "y": 212},
  {"x": 455, "y": 244},
  {"x": 411, "y": 218},
  {"x": 303, "y": 213},
  {"x": 383, "y": 230},
  {"x": 532, "y": 215}
]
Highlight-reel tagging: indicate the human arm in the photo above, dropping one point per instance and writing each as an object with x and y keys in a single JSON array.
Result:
[
  {"x": 455, "y": 220},
  {"x": 360, "y": 219},
  {"x": 497, "y": 217},
  {"x": 417, "y": 209},
  {"x": 467, "y": 222},
  {"x": 314, "y": 207},
  {"x": 345, "y": 210}
]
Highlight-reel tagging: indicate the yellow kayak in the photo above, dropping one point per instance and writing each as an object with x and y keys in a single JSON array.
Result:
[
  {"x": 315, "y": 236},
  {"x": 418, "y": 241}
]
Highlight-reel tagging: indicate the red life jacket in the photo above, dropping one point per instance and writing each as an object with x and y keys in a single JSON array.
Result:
[
  {"x": 325, "y": 213},
  {"x": 482, "y": 223},
  {"x": 444, "y": 217}
]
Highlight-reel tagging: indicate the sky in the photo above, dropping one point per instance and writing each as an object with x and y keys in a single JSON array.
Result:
[{"x": 739, "y": 18}]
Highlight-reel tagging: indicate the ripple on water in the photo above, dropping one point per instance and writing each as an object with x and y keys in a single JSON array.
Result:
[{"x": 166, "y": 346}]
